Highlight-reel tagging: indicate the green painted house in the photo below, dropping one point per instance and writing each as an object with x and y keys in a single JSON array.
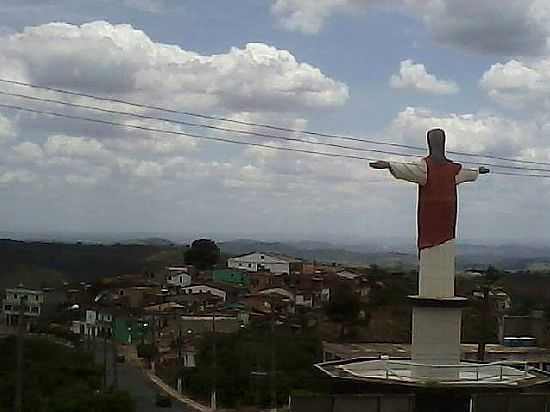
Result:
[
  {"x": 130, "y": 331},
  {"x": 232, "y": 276}
]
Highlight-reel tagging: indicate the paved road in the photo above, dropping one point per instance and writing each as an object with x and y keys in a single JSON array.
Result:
[{"x": 133, "y": 380}]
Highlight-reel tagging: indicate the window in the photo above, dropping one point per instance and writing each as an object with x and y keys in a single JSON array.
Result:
[
  {"x": 34, "y": 309},
  {"x": 262, "y": 257},
  {"x": 7, "y": 307}
]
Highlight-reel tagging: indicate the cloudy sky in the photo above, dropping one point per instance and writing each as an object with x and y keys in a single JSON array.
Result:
[{"x": 373, "y": 69}]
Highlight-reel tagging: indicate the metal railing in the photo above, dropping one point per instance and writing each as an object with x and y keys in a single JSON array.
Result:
[{"x": 503, "y": 372}]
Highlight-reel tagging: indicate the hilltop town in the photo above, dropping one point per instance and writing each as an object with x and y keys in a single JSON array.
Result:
[{"x": 167, "y": 319}]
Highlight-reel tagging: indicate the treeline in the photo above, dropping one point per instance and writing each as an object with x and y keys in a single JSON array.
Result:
[
  {"x": 39, "y": 262},
  {"x": 57, "y": 379},
  {"x": 251, "y": 365}
]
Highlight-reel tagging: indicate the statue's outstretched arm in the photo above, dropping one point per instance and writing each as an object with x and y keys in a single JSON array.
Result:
[{"x": 415, "y": 172}]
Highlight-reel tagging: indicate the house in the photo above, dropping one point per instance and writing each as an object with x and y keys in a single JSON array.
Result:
[
  {"x": 128, "y": 330},
  {"x": 304, "y": 299},
  {"x": 32, "y": 301},
  {"x": 255, "y": 262},
  {"x": 264, "y": 304},
  {"x": 346, "y": 275},
  {"x": 233, "y": 276},
  {"x": 264, "y": 280},
  {"x": 198, "y": 302},
  {"x": 168, "y": 307},
  {"x": 97, "y": 322},
  {"x": 178, "y": 276},
  {"x": 204, "y": 289},
  {"x": 138, "y": 296},
  {"x": 283, "y": 293}
]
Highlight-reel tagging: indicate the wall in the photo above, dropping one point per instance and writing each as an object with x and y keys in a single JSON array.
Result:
[
  {"x": 203, "y": 324},
  {"x": 352, "y": 403},
  {"x": 511, "y": 403}
]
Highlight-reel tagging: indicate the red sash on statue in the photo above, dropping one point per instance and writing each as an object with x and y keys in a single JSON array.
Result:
[{"x": 437, "y": 204}]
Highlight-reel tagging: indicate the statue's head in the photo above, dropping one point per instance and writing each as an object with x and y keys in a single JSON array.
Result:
[{"x": 436, "y": 141}]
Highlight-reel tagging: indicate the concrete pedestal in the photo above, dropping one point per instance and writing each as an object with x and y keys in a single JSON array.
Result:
[{"x": 436, "y": 341}]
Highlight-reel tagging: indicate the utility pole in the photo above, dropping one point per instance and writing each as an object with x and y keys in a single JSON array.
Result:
[
  {"x": 18, "y": 402},
  {"x": 115, "y": 364},
  {"x": 153, "y": 343},
  {"x": 215, "y": 363},
  {"x": 272, "y": 381},
  {"x": 180, "y": 372},
  {"x": 104, "y": 358},
  {"x": 485, "y": 309}
]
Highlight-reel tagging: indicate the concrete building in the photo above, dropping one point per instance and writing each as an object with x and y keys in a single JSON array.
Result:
[
  {"x": 255, "y": 262},
  {"x": 96, "y": 322},
  {"x": 178, "y": 277},
  {"x": 32, "y": 301},
  {"x": 204, "y": 289}
]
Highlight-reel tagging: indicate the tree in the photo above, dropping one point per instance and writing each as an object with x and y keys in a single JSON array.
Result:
[
  {"x": 57, "y": 379},
  {"x": 343, "y": 308},
  {"x": 203, "y": 254}
]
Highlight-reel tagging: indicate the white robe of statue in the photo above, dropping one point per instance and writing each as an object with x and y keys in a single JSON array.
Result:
[{"x": 437, "y": 264}]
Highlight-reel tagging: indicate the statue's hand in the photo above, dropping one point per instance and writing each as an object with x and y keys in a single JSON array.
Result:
[
  {"x": 380, "y": 164},
  {"x": 483, "y": 170}
]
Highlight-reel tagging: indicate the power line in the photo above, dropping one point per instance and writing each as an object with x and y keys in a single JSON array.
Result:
[
  {"x": 156, "y": 130},
  {"x": 217, "y": 139},
  {"x": 206, "y": 126},
  {"x": 250, "y": 133},
  {"x": 267, "y": 126}
]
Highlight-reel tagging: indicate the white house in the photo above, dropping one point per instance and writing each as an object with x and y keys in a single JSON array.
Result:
[
  {"x": 199, "y": 289},
  {"x": 178, "y": 277},
  {"x": 256, "y": 262},
  {"x": 32, "y": 301},
  {"x": 95, "y": 323}
]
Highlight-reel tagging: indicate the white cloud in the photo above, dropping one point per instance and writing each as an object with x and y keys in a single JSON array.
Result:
[
  {"x": 75, "y": 146},
  {"x": 19, "y": 176},
  {"x": 28, "y": 151},
  {"x": 415, "y": 76},
  {"x": 7, "y": 129},
  {"x": 505, "y": 27},
  {"x": 148, "y": 169},
  {"x": 475, "y": 133},
  {"x": 519, "y": 83},
  {"x": 307, "y": 16},
  {"x": 120, "y": 60}
]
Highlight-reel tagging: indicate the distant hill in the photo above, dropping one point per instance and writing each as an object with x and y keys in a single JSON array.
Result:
[
  {"x": 510, "y": 257},
  {"x": 320, "y": 252},
  {"x": 41, "y": 263},
  {"x": 152, "y": 241}
]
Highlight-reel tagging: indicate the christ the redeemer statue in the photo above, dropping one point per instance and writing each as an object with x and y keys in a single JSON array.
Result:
[{"x": 437, "y": 178}]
